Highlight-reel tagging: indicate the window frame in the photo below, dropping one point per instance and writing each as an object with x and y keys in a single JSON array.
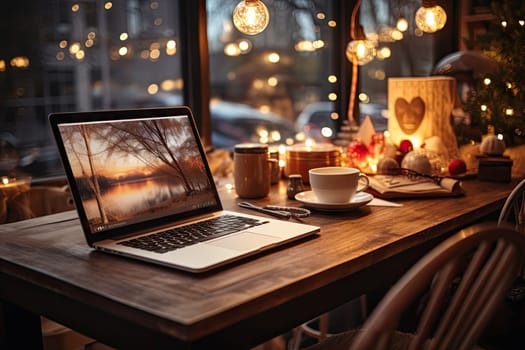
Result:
[{"x": 195, "y": 58}]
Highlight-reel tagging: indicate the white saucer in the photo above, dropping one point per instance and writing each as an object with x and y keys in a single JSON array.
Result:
[{"x": 309, "y": 199}]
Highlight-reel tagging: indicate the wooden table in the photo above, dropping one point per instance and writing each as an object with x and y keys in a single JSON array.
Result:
[{"x": 47, "y": 269}]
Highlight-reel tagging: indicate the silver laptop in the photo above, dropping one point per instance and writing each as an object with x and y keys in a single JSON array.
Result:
[{"x": 143, "y": 189}]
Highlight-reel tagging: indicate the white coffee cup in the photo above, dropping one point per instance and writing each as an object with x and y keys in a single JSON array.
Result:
[{"x": 336, "y": 184}]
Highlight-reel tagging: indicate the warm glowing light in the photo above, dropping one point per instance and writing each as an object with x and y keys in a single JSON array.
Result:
[
  {"x": 62, "y": 44},
  {"x": 509, "y": 111},
  {"x": 304, "y": 46},
  {"x": 153, "y": 89},
  {"x": 332, "y": 23},
  {"x": 251, "y": 17},
  {"x": 80, "y": 55},
  {"x": 430, "y": 17},
  {"x": 521, "y": 22},
  {"x": 483, "y": 108},
  {"x": 363, "y": 97},
  {"x": 5, "y": 180},
  {"x": 108, "y": 5},
  {"x": 91, "y": 35},
  {"x": 264, "y": 108},
  {"x": 123, "y": 51},
  {"x": 334, "y": 115},
  {"x": 416, "y": 142},
  {"x": 123, "y": 36},
  {"x": 396, "y": 35},
  {"x": 154, "y": 54},
  {"x": 170, "y": 85},
  {"x": 332, "y": 96},
  {"x": 232, "y": 50},
  {"x": 504, "y": 24},
  {"x": 300, "y": 136},
  {"x": 327, "y": 132},
  {"x": 2, "y": 66},
  {"x": 318, "y": 44},
  {"x": 402, "y": 24},
  {"x": 273, "y": 81},
  {"x": 332, "y": 79},
  {"x": 19, "y": 62},
  {"x": 274, "y": 57},
  {"x": 309, "y": 142},
  {"x": 75, "y": 7},
  {"x": 89, "y": 43},
  {"x": 258, "y": 84},
  {"x": 245, "y": 45},
  {"x": 320, "y": 15},
  {"x": 384, "y": 52},
  {"x": 500, "y": 137},
  {"x": 171, "y": 47},
  {"x": 229, "y": 186},
  {"x": 74, "y": 48},
  {"x": 360, "y": 51},
  {"x": 275, "y": 135},
  {"x": 487, "y": 81}
]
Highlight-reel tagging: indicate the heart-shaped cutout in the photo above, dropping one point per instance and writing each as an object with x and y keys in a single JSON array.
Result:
[{"x": 409, "y": 115}]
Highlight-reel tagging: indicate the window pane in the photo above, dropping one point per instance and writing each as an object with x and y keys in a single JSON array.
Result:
[
  {"x": 70, "y": 56},
  {"x": 400, "y": 52},
  {"x": 261, "y": 83}
]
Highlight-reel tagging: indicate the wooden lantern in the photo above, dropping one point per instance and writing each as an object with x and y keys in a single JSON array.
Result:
[{"x": 421, "y": 107}]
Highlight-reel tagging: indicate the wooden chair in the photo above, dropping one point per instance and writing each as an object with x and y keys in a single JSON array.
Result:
[
  {"x": 34, "y": 202},
  {"x": 513, "y": 211},
  {"x": 457, "y": 287}
]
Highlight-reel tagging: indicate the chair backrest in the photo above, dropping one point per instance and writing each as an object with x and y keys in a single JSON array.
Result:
[
  {"x": 39, "y": 201},
  {"x": 462, "y": 281},
  {"x": 513, "y": 211}
]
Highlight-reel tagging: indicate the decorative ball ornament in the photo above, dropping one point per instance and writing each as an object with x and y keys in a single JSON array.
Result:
[
  {"x": 387, "y": 166},
  {"x": 457, "y": 166},
  {"x": 406, "y": 146},
  {"x": 492, "y": 145},
  {"x": 417, "y": 161}
]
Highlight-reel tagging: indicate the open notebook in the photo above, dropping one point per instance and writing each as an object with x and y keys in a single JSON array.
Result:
[{"x": 140, "y": 177}]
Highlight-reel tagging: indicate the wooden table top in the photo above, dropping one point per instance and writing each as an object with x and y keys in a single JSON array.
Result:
[{"x": 46, "y": 266}]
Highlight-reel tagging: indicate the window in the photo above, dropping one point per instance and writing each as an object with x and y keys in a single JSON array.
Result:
[
  {"x": 64, "y": 56},
  {"x": 284, "y": 85}
]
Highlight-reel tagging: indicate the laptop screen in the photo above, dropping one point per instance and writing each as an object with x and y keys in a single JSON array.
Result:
[{"x": 132, "y": 171}]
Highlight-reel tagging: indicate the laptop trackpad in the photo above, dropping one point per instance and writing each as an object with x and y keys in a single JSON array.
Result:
[{"x": 243, "y": 241}]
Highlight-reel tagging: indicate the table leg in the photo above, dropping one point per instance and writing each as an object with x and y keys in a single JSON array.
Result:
[{"x": 19, "y": 329}]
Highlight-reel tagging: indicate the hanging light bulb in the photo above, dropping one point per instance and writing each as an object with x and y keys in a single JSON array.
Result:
[
  {"x": 251, "y": 16},
  {"x": 360, "y": 51},
  {"x": 402, "y": 24},
  {"x": 430, "y": 17}
]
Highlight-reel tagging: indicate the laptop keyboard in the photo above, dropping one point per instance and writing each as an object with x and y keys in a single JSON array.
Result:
[{"x": 179, "y": 237}]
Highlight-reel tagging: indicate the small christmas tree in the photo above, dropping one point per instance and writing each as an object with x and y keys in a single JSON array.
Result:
[{"x": 498, "y": 101}]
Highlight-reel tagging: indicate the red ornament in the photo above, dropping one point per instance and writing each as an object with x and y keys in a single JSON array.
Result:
[
  {"x": 406, "y": 146},
  {"x": 457, "y": 166},
  {"x": 357, "y": 152}
]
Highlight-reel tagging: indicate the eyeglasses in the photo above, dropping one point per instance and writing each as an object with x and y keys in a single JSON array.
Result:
[{"x": 415, "y": 175}]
